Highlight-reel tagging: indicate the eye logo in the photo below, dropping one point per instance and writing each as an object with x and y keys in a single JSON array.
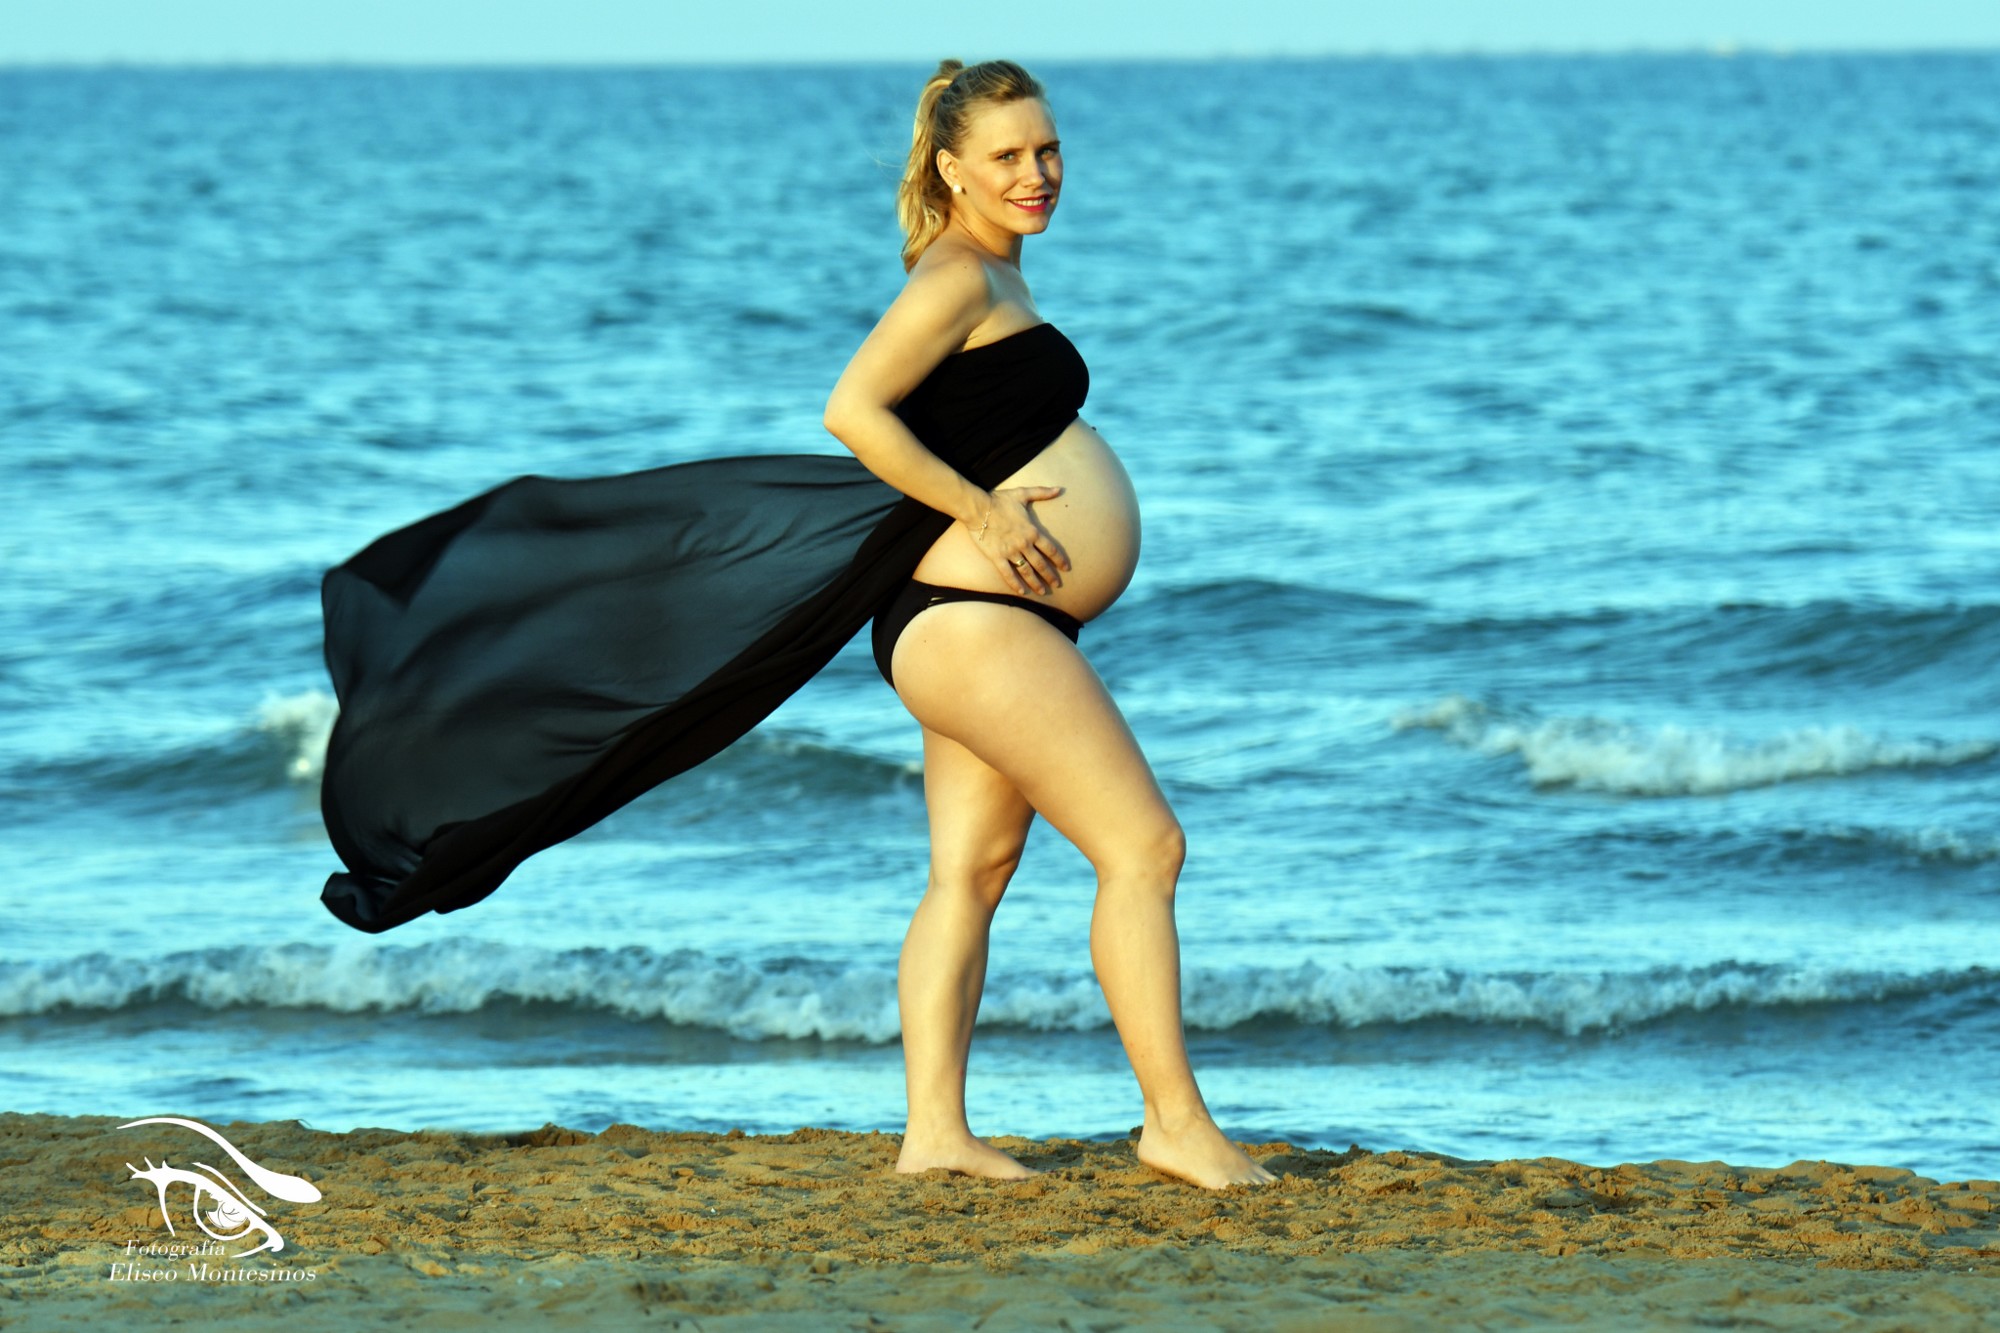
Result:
[{"x": 232, "y": 1209}]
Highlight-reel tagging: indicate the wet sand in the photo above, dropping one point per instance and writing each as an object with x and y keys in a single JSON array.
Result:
[{"x": 635, "y": 1228}]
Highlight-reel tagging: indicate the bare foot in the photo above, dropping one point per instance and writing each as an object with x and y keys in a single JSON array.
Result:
[
  {"x": 963, "y": 1153},
  {"x": 1199, "y": 1152}
]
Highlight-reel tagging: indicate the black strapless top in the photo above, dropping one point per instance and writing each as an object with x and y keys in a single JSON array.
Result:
[
  {"x": 1024, "y": 388},
  {"x": 514, "y": 669}
]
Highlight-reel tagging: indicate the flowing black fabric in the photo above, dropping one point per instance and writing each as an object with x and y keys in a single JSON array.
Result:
[{"x": 514, "y": 669}]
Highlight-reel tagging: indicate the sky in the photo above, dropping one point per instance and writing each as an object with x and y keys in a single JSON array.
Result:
[{"x": 758, "y": 31}]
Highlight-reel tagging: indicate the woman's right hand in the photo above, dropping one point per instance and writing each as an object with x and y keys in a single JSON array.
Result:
[{"x": 1017, "y": 544}]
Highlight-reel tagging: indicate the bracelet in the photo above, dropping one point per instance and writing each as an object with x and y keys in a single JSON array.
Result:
[{"x": 982, "y": 523}]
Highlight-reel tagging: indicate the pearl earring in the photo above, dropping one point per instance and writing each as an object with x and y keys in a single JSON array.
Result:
[{"x": 958, "y": 189}]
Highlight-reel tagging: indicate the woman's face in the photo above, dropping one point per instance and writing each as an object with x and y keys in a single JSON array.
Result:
[{"x": 1009, "y": 167}]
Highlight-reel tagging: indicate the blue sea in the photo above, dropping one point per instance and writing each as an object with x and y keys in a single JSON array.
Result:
[{"x": 1567, "y": 624}]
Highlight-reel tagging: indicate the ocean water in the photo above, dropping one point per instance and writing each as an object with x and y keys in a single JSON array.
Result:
[{"x": 1566, "y": 626}]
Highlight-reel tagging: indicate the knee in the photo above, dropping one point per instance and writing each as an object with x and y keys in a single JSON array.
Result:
[
  {"x": 1151, "y": 860},
  {"x": 980, "y": 879}
]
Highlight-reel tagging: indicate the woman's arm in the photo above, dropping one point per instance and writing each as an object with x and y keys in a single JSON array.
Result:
[
  {"x": 927, "y": 322},
  {"x": 938, "y": 307}
]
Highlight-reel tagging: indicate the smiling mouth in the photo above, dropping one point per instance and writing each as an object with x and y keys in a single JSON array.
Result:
[{"x": 1035, "y": 203}]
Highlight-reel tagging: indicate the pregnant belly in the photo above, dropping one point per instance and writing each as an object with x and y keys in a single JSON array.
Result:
[{"x": 1096, "y": 520}]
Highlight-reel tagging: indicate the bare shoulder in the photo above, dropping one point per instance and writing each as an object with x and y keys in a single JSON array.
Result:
[
  {"x": 950, "y": 285},
  {"x": 947, "y": 294}
]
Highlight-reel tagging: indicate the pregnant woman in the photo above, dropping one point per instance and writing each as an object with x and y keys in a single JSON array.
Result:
[
  {"x": 981, "y": 644},
  {"x": 513, "y": 669}
]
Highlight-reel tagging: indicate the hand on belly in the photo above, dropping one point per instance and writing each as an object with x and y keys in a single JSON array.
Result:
[{"x": 1096, "y": 519}]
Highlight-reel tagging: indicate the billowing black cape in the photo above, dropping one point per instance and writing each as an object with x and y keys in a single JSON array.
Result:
[{"x": 514, "y": 669}]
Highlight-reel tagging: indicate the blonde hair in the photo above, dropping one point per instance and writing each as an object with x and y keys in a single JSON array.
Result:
[{"x": 944, "y": 111}]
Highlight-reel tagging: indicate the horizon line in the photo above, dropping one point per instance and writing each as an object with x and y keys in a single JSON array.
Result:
[{"x": 1723, "y": 50}]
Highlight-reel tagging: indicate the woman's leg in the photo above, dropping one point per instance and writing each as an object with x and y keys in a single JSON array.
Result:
[
  {"x": 979, "y": 824},
  {"x": 1011, "y": 689}
]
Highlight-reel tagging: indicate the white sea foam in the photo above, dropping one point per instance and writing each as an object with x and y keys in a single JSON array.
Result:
[
  {"x": 1943, "y": 844},
  {"x": 1931, "y": 842},
  {"x": 858, "y": 1003},
  {"x": 302, "y": 722},
  {"x": 1670, "y": 760}
]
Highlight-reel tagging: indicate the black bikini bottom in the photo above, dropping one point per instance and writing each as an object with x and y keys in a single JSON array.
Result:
[{"x": 915, "y": 596}]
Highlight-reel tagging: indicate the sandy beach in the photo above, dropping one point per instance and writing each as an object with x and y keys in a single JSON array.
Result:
[{"x": 634, "y": 1227}]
